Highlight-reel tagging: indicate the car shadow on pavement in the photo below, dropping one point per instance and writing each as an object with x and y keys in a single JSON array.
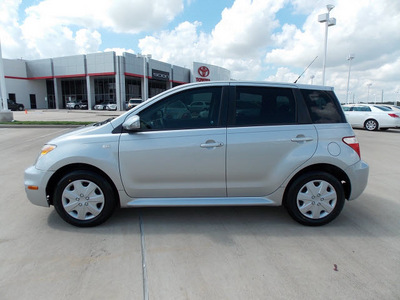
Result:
[{"x": 356, "y": 219}]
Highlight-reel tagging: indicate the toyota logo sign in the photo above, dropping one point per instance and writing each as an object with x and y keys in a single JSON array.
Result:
[{"x": 203, "y": 71}]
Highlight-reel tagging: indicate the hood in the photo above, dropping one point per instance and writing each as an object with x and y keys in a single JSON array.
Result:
[{"x": 95, "y": 129}]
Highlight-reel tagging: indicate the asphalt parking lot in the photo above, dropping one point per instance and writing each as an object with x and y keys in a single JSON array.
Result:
[{"x": 200, "y": 253}]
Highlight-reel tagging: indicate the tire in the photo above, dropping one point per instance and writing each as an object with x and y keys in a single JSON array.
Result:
[
  {"x": 20, "y": 108},
  {"x": 315, "y": 199},
  {"x": 84, "y": 198},
  {"x": 371, "y": 125}
]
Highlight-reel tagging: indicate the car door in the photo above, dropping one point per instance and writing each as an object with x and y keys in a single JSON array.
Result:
[
  {"x": 358, "y": 114},
  {"x": 176, "y": 154},
  {"x": 265, "y": 142}
]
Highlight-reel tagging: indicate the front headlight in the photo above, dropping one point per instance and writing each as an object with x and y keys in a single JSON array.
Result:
[{"x": 46, "y": 149}]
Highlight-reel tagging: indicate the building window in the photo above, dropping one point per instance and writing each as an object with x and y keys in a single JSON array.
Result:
[
  {"x": 73, "y": 90},
  {"x": 133, "y": 88},
  {"x": 51, "y": 98},
  {"x": 104, "y": 89},
  {"x": 156, "y": 87}
]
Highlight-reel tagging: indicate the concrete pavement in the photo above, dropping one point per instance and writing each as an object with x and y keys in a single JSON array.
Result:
[{"x": 200, "y": 253}]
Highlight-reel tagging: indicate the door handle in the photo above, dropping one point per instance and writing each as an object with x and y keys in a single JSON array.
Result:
[
  {"x": 211, "y": 144},
  {"x": 301, "y": 138}
]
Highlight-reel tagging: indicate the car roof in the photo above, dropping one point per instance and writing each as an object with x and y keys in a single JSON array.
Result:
[{"x": 257, "y": 83}]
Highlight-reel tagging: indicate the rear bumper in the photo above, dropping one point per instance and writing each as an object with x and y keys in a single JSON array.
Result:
[
  {"x": 39, "y": 179},
  {"x": 358, "y": 174}
]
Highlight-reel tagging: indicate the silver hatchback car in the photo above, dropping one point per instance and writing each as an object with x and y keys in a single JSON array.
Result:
[{"x": 252, "y": 144}]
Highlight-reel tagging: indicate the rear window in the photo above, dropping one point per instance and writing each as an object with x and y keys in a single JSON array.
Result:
[
  {"x": 384, "y": 108},
  {"x": 323, "y": 106}
]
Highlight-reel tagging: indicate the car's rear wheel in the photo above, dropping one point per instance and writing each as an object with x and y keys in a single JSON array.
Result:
[
  {"x": 20, "y": 108},
  {"x": 315, "y": 198},
  {"x": 371, "y": 125},
  {"x": 84, "y": 198}
]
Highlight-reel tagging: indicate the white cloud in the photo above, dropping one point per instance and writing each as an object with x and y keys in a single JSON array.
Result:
[
  {"x": 235, "y": 43},
  {"x": 66, "y": 27}
]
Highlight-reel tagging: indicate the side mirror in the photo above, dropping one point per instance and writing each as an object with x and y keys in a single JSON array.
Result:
[{"x": 132, "y": 123}]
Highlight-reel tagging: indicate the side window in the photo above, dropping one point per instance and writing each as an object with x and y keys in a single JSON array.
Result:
[
  {"x": 362, "y": 108},
  {"x": 259, "y": 106},
  {"x": 323, "y": 106},
  {"x": 346, "y": 108},
  {"x": 197, "y": 108}
]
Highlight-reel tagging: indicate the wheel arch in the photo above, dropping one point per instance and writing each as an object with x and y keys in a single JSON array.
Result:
[
  {"x": 74, "y": 167},
  {"x": 340, "y": 175}
]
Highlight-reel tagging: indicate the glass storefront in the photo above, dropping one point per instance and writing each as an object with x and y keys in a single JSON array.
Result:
[
  {"x": 51, "y": 96},
  {"x": 73, "y": 90},
  {"x": 133, "y": 88},
  {"x": 156, "y": 87},
  {"x": 104, "y": 89}
]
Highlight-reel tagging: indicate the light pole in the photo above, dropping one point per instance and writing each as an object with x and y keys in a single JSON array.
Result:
[
  {"x": 324, "y": 18},
  {"x": 145, "y": 57},
  {"x": 369, "y": 86},
  {"x": 3, "y": 91},
  {"x": 349, "y": 58},
  {"x": 312, "y": 78}
]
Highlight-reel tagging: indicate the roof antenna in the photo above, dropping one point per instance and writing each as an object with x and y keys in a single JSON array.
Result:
[{"x": 306, "y": 69}]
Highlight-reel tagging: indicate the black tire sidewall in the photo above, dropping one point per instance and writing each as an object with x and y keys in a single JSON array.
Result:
[
  {"x": 291, "y": 199},
  {"x": 371, "y": 120},
  {"x": 101, "y": 182}
]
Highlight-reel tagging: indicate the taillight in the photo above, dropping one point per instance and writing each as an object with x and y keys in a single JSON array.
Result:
[
  {"x": 353, "y": 143},
  {"x": 394, "y": 115}
]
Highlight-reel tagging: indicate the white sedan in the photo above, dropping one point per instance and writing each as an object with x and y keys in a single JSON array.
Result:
[{"x": 371, "y": 116}]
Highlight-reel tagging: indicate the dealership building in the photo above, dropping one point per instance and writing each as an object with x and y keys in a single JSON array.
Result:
[{"x": 96, "y": 78}]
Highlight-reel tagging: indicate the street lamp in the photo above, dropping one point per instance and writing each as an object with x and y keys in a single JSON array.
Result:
[
  {"x": 324, "y": 18},
  {"x": 312, "y": 78},
  {"x": 3, "y": 91},
  {"x": 349, "y": 58}
]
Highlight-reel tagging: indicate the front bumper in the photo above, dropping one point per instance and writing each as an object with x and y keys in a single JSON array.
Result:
[{"x": 37, "y": 178}]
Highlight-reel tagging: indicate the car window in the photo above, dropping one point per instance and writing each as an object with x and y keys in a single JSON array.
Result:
[
  {"x": 323, "y": 106},
  {"x": 175, "y": 112},
  {"x": 258, "y": 106},
  {"x": 346, "y": 108},
  {"x": 384, "y": 108},
  {"x": 361, "y": 108}
]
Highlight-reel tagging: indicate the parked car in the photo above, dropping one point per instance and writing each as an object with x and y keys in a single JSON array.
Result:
[
  {"x": 297, "y": 151},
  {"x": 83, "y": 104},
  {"x": 74, "y": 104},
  {"x": 395, "y": 108},
  {"x": 102, "y": 105},
  {"x": 111, "y": 106},
  {"x": 371, "y": 116},
  {"x": 12, "y": 105},
  {"x": 133, "y": 102}
]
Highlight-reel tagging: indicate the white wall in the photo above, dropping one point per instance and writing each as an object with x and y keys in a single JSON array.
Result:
[{"x": 22, "y": 88}]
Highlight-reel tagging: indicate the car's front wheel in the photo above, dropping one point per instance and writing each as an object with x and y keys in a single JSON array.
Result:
[
  {"x": 315, "y": 198},
  {"x": 84, "y": 198}
]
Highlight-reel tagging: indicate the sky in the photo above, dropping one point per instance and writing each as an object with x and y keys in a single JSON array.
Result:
[{"x": 265, "y": 40}]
